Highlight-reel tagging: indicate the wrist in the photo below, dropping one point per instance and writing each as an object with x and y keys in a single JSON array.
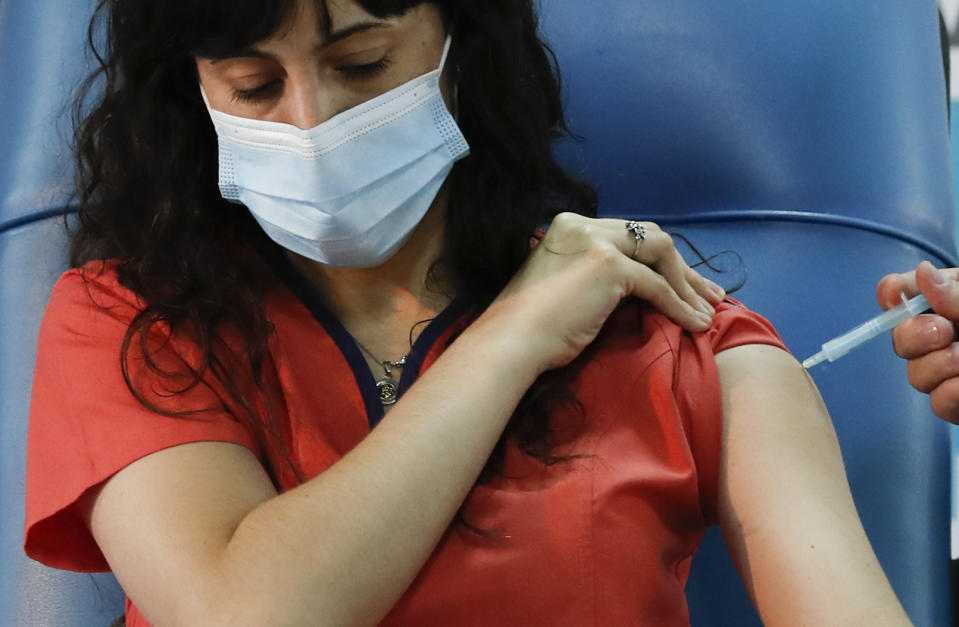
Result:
[{"x": 497, "y": 340}]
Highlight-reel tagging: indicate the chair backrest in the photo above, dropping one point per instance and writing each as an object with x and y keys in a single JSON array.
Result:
[
  {"x": 41, "y": 63},
  {"x": 810, "y": 138}
]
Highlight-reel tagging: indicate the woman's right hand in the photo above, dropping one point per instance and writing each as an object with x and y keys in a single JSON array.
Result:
[{"x": 581, "y": 270}]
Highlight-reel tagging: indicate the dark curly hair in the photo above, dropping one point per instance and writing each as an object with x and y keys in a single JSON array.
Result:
[{"x": 148, "y": 197}]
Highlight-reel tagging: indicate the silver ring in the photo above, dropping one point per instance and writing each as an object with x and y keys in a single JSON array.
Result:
[{"x": 639, "y": 234}]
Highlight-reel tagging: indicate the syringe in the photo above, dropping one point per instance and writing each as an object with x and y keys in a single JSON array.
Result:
[{"x": 836, "y": 348}]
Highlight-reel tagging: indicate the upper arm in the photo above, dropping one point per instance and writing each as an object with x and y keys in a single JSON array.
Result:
[
  {"x": 784, "y": 502},
  {"x": 163, "y": 522},
  {"x": 110, "y": 482}
]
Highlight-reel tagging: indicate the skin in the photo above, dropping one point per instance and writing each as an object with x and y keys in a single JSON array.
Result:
[
  {"x": 785, "y": 508},
  {"x": 229, "y": 550},
  {"x": 928, "y": 341}
]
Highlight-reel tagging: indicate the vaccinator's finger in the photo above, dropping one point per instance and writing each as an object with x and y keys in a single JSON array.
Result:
[
  {"x": 922, "y": 335},
  {"x": 891, "y": 287},
  {"x": 928, "y": 372},
  {"x": 945, "y": 400},
  {"x": 941, "y": 289}
]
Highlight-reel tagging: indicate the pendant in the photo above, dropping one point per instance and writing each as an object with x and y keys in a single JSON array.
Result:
[{"x": 388, "y": 387}]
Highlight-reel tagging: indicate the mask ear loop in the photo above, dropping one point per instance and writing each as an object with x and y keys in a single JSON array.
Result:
[
  {"x": 206, "y": 101},
  {"x": 446, "y": 51}
]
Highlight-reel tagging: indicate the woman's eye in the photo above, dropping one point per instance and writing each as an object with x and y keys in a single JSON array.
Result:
[
  {"x": 366, "y": 70},
  {"x": 258, "y": 93}
]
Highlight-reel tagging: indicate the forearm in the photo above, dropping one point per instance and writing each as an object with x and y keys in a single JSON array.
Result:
[{"x": 346, "y": 544}]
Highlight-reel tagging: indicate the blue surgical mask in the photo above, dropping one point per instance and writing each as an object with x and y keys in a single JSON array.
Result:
[{"x": 349, "y": 192}]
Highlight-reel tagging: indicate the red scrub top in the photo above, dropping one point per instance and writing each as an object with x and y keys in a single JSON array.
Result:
[{"x": 605, "y": 538}]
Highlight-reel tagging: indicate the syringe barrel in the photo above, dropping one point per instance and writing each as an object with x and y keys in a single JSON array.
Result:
[
  {"x": 897, "y": 315},
  {"x": 837, "y": 347}
]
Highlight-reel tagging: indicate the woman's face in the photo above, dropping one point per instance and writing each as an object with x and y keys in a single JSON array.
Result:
[{"x": 302, "y": 76}]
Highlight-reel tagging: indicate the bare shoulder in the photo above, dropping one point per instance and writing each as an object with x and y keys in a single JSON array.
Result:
[
  {"x": 766, "y": 376},
  {"x": 773, "y": 414}
]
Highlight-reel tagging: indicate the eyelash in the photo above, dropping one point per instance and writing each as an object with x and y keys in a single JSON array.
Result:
[
  {"x": 351, "y": 72},
  {"x": 257, "y": 94},
  {"x": 367, "y": 70}
]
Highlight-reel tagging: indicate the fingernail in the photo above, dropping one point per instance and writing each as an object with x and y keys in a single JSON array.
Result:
[
  {"x": 706, "y": 320},
  {"x": 715, "y": 289},
  {"x": 931, "y": 333},
  {"x": 939, "y": 277}
]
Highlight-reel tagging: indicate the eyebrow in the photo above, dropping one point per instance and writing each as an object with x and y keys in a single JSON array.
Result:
[
  {"x": 331, "y": 38},
  {"x": 344, "y": 33}
]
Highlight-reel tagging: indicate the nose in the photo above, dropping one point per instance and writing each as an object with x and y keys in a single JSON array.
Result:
[{"x": 307, "y": 104}]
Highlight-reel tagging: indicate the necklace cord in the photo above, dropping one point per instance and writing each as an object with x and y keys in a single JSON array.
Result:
[{"x": 399, "y": 363}]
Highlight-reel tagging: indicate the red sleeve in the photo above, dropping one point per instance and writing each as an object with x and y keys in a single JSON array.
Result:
[
  {"x": 86, "y": 425},
  {"x": 734, "y": 325},
  {"x": 698, "y": 390}
]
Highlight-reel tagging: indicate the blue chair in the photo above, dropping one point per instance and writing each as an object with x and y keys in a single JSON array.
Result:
[
  {"x": 40, "y": 65},
  {"x": 810, "y": 138}
]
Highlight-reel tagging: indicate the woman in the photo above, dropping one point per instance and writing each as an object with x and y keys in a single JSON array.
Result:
[{"x": 208, "y": 392}]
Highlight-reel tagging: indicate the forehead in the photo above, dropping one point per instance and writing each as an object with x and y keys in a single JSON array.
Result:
[
  {"x": 218, "y": 28},
  {"x": 320, "y": 17},
  {"x": 335, "y": 14}
]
